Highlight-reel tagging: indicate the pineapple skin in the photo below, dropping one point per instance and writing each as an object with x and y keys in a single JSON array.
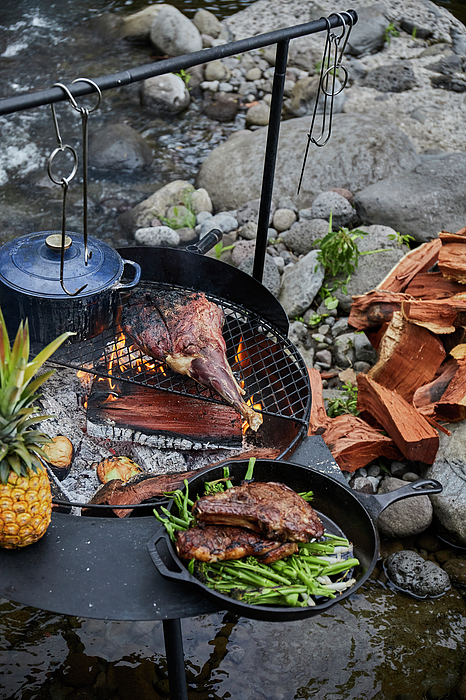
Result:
[{"x": 25, "y": 508}]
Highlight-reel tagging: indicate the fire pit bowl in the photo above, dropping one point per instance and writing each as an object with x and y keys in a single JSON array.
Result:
[{"x": 343, "y": 512}]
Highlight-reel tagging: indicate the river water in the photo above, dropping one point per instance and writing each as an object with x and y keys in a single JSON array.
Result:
[{"x": 378, "y": 644}]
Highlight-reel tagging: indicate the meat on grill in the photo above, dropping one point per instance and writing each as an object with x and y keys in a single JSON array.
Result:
[
  {"x": 269, "y": 508},
  {"x": 184, "y": 329},
  {"x": 220, "y": 543}
]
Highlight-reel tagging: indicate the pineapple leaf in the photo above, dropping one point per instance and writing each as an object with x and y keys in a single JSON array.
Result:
[
  {"x": 44, "y": 355},
  {"x": 22, "y": 453},
  {"x": 4, "y": 471},
  {"x": 15, "y": 463},
  {"x": 16, "y": 350}
]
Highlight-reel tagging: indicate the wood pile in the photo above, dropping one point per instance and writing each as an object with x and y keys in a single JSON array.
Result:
[{"x": 416, "y": 320}]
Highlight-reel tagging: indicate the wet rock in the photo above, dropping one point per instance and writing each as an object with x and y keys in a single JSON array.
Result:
[
  {"x": 366, "y": 150},
  {"x": 118, "y": 147},
  {"x": 173, "y": 34},
  {"x": 335, "y": 205},
  {"x": 222, "y": 109},
  {"x": 456, "y": 569},
  {"x": 79, "y": 670},
  {"x": 302, "y": 235},
  {"x": 207, "y": 23},
  {"x": 396, "y": 77},
  {"x": 407, "y": 517},
  {"x": 271, "y": 277},
  {"x": 158, "y": 236},
  {"x": 300, "y": 284},
  {"x": 410, "y": 572},
  {"x": 164, "y": 94}
]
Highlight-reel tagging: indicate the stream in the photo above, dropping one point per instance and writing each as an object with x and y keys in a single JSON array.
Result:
[{"x": 379, "y": 644}]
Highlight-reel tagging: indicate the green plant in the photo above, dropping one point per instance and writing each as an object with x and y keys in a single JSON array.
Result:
[
  {"x": 220, "y": 248},
  {"x": 339, "y": 253},
  {"x": 390, "y": 31},
  {"x": 183, "y": 218},
  {"x": 401, "y": 238},
  {"x": 185, "y": 77},
  {"x": 344, "y": 404},
  {"x": 414, "y": 32}
]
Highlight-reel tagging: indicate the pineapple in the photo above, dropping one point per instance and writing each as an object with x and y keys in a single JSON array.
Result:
[{"x": 25, "y": 497}]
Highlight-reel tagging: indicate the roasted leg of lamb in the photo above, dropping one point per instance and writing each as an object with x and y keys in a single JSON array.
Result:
[
  {"x": 184, "y": 329},
  {"x": 269, "y": 508},
  {"x": 219, "y": 543}
]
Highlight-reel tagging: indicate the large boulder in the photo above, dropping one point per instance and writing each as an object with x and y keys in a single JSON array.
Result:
[
  {"x": 361, "y": 152},
  {"x": 164, "y": 94},
  {"x": 119, "y": 147},
  {"x": 422, "y": 202},
  {"x": 174, "y": 34}
]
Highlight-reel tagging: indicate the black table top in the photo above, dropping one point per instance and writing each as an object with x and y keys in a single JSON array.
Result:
[{"x": 97, "y": 568}]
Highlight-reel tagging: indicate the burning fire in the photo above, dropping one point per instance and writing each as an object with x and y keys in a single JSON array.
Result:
[{"x": 242, "y": 355}]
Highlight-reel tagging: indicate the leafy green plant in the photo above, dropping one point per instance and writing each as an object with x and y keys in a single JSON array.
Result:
[
  {"x": 401, "y": 238},
  {"x": 344, "y": 404},
  {"x": 414, "y": 32},
  {"x": 220, "y": 248},
  {"x": 183, "y": 218},
  {"x": 185, "y": 77},
  {"x": 391, "y": 31},
  {"x": 339, "y": 253}
]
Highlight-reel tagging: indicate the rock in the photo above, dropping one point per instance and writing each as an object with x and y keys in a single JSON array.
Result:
[
  {"x": 283, "y": 219},
  {"x": 156, "y": 205},
  {"x": 248, "y": 231},
  {"x": 343, "y": 350},
  {"x": 160, "y": 236},
  {"x": 164, "y": 94},
  {"x": 222, "y": 221},
  {"x": 223, "y": 109},
  {"x": 362, "y": 484},
  {"x": 300, "y": 284},
  {"x": 361, "y": 152},
  {"x": 271, "y": 277},
  {"x": 368, "y": 35},
  {"x": 420, "y": 203},
  {"x": 173, "y": 34},
  {"x": 118, "y": 147},
  {"x": 207, "y": 23},
  {"x": 136, "y": 27},
  {"x": 335, "y": 205},
  {"x": 302, "y": 236},
  {"x": 242, "y": 251},
  {"x": 258, "y": 115},
  {"x": 216, "y": 70},
  {"x": 449, "y": 469},
  {"x": 396, "y": 77},
  {"x": 378, "y": 237},
  {"x": 363, "y": 349},
  {"x": 303, "y": 97},
  {"x": 344, "y": 193},
  {"x": 456, "y": 570},
  {"x": 299, "y": 336},
  {"x": 407, "y": 517},
  {"x": 410, "y": 572},
  {"x": 201, "y": 202},
  {"x": 249, "y": 211}
]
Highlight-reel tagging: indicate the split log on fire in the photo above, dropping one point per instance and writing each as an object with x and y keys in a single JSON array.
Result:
[
  {"x": 375, "y": 308},
  {"x": 352, "y": 442},
  {"x": 184, "y": 329},
  {"x": 437, "y": 315},
  {"x": 452, "y": 256},
  {"x": 409, "y": 357},
  {"x": 445, "y": 398},
  {"x": 417, "y": 260},
  {"x": 416, "y": 439}
]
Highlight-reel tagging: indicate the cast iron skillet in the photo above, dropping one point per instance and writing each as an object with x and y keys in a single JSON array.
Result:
[{"x": 342, "y": 511}]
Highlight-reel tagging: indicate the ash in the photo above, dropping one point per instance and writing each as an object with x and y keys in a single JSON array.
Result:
[{"x": 64, "y": 398}]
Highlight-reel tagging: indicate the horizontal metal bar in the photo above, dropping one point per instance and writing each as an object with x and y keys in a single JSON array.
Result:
[{"x": 29, "y": 100}]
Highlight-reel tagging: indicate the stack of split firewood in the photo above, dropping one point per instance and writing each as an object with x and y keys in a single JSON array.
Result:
[{"x": 416, "y": 320}]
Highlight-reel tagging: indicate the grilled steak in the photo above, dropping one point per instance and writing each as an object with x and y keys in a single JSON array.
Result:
[
  {"x": 184, "y": 329},
  {"x": 272, "y": 509},
  {"x": 219, "y": 543}
]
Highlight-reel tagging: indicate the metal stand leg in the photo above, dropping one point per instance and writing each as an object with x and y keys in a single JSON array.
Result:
[{"x": 175, "y": 659}]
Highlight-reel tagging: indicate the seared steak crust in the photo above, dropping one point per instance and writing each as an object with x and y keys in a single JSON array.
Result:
[
  {"x": 184, "y": 329},
  {"x": 272, "y": 509},
  {"x": 219, "y": 543}
]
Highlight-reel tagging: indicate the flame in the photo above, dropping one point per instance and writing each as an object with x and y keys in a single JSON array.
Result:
[
  {"x": 242, "y": 355},
  {"x": 257, "y": 406}
]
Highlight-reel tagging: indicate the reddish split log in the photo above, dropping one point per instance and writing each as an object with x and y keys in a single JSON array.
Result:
[
  {"x": 374, "y": 308},
  {"x": 409, "y": 356},
  {"x": 414, "y": 436},
  {"x": 425, "y": 397},
  {"x": 154, "y": 412},
  {"x": 352, "y": 442},
  {"x": 437, "y": 315},
  {"x": 433, "y": 285},
  {"x": 451, "y": 406},
  {"x": 417, "y": 260},
  {"x": 452, "y": 258}
]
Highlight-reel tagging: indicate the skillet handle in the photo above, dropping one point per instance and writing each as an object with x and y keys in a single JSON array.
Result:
[
  {"x": 180, "y": 575},
  {"x": 206, "y": 243},
  {"x": 377, "y": 503}
]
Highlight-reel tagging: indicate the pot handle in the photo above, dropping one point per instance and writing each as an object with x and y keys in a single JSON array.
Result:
[
  {"x": 136, "y": 278},
  {"x": 375, "y": 504},
  {"x": 206, "y": 243},
  {"x": 180, "y": 575}
]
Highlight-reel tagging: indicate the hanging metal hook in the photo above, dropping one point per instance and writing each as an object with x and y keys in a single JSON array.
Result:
[
  {"x": 328, "y": 84},
  {"x": 64, "y": 183}
]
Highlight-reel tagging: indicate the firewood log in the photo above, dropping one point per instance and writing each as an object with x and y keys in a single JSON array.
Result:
[
  {"x": 409, "y": 356},
  {"x": 432, "y": 285},
  {"x": 375, "y": 308},
  {"x": 452, "y": 257},
  {"x": 437, "y": 315},
  {"x": 416, "y": 439},
  {"x": 417, "y": 260}
]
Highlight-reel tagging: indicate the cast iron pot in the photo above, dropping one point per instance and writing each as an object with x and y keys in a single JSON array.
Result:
[
  {"x": 343, "y": 512},
  {"x": 30, "y": 285}
]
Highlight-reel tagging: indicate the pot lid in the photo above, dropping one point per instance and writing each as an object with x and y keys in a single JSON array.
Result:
[{"x": 31, "y": 264}]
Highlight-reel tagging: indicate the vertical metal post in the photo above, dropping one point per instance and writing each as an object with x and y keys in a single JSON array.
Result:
[
  {"x": 175, "y": 659},
  {"x": 270, "y": 158}
]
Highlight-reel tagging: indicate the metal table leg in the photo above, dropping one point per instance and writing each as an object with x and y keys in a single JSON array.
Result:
[{"x": 175, "y": 659}]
